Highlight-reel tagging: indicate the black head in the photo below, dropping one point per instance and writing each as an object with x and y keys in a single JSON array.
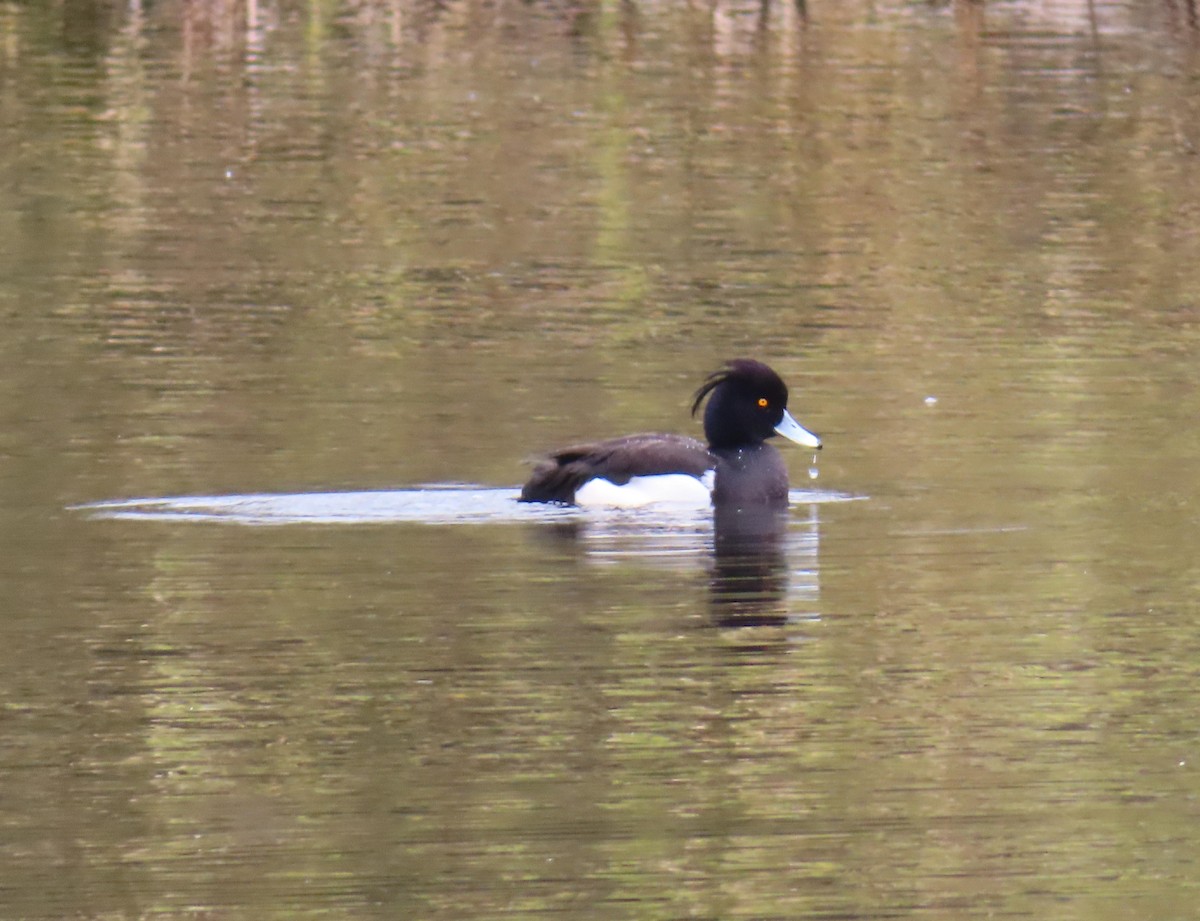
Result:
[
  {"x": 747, "y": 404},
  {"x": 746, "y": 401}
]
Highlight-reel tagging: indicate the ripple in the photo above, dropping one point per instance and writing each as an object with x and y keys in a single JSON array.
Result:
[{"x": 429, "y": 504}]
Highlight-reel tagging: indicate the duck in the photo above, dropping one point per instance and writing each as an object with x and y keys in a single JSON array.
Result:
[{"x": 747, "y": 404}]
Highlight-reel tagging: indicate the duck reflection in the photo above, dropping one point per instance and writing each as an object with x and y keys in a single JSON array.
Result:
[
  {"x": 761, "y": 560},
  {"x": 764, "y": 566}
]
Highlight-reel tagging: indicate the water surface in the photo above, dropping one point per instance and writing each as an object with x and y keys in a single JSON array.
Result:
[{"x": 349, "y": 251}]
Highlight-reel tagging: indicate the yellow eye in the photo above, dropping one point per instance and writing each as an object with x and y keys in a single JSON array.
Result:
[{"x": 762, "y": 401}]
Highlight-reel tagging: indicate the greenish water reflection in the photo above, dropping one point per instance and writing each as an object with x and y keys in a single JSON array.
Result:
[{"x": 265, "y": 249}]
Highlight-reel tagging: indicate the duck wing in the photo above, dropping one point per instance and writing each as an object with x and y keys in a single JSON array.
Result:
[{"x": 556, "y": 477}]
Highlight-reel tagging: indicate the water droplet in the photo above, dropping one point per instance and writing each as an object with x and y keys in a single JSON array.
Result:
[
  {"x": 931, "y": 401},
  {"x": 813, "y": 473},
  {"x": 228, "y": 174}
]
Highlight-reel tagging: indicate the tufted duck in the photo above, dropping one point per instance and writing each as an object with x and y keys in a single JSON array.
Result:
[{"x": 747, "y": 404}]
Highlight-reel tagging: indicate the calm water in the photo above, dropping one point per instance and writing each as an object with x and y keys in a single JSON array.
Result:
[{"x": 350, "y": 250}]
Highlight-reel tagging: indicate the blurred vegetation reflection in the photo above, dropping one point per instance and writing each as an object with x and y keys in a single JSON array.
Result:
[{"x": 292, "y": 247}]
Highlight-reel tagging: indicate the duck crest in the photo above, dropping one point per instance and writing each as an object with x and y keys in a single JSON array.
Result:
[{"x": 743, "y": 369}]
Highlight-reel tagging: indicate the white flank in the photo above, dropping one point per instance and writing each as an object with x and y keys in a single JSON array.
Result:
[{"x": 664, "y": 489}]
